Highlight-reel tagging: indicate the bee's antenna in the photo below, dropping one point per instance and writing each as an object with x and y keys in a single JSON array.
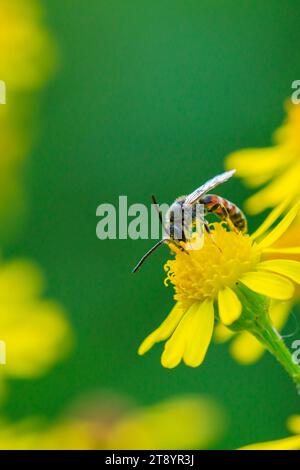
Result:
[
  {"x": 160, "y": 242},
  {"x": 154, "y": 200}
]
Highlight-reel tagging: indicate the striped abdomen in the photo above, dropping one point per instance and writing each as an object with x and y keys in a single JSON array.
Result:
[{"x": 225, "y": 210}]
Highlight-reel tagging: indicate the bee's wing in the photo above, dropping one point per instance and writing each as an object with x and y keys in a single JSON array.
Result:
[{"x": 194, "y": 197}]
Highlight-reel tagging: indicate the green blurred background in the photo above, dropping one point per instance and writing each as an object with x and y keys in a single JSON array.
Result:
[{"x": 149, "y": 98}]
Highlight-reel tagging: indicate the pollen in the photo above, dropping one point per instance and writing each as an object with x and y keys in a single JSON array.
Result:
[{"x": 221, "y": 262}]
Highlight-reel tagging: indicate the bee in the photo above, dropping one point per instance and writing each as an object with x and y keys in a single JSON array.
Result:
[{"x": 175, "y": 225}]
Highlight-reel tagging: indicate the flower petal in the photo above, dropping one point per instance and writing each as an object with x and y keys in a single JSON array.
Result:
[
  {"x": 164, "y": 330},
  {"x": 230, "y": 307},
  {"x": 174, "y": 347},
  {"x": 293, "y": 424},
  {"x": 269, "y": 284},
  {"x": 271, "y": 195},
  {"x": 279, "y": 230},
  {"x": 279, "y": 312},
  {"x": 291, "y": 250},
  {"x": 201, "y": 330},
  {"x": 289, "y": 443},
  {"x": 287, "y": 267},
  {"x": 271, "y": 218},
  {"x": 253, "y": 162},
  {"x": 222, "y": 334}
]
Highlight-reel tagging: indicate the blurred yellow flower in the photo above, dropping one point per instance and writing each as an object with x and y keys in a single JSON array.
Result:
[
  {"x": 34, "y": 330},
  {"x": 27, "y": 59},
  {"x": 34, "y": 434},
  {"x": 27, "y": 52},
  {"x": 218, "y": 274},
  {"x": 186, "y": 422},
  {"x": 180, "y": 423},
  {"x": 287, "y": 443},
  {"x": 277, "y": 167}
]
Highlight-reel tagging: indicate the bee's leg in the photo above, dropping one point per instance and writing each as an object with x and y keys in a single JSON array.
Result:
[
  {"x": 222, "y": 208},
  {"x": 210, "y": 233},
  {"x": 178, "y": 246},
  {"x": 227, "y": 218},
  {"x": 181, "y": 248},
  {"x": 222, "y": 211}
]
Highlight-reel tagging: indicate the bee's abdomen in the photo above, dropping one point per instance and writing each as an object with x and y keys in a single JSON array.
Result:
[{"x": 225, "y": 209}]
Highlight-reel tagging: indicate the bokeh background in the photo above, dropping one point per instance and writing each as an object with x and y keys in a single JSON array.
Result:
[{"x": 148, "y": 97}]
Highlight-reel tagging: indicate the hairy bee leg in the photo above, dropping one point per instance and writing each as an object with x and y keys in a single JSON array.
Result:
[
  {"x": 181, "y": 248},
  {"x": 175, "y": 243},
  {"x": 228, "y": 219}
]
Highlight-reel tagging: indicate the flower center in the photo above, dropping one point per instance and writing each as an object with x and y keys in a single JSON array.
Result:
[{"x": 220, "y": 263}]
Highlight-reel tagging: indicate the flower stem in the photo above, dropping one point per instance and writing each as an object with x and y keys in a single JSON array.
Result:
[
  {"x": 269, "y": 336},
  {"x": 256, "y": 320}
]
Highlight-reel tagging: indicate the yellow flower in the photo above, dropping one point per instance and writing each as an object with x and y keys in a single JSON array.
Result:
[
  {"x": 179, "y": 423},
  {"x": 186, "y": 422},
  {"x": 27, "y": 53},
  {"x": 217, "y": 276},
  {"x": 34, "y": 330},
  {"x": 34, "y": 434},
  {"x": 27, "y": 60},
  {"x": 277, "y": 167},
  {"x": 288, "y": 443}
]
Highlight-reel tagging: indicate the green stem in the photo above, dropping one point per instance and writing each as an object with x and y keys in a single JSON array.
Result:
[
  {"x": 256, "y": 320},
  {"x": 269, "y": 336}
]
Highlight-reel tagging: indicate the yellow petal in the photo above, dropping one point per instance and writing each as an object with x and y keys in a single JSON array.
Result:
[
  {"x": 246, "y": 349},
  {"x": 269, "y": 284},
  {"x": 230, "y": 308},
  {"x": 175, "y": 346},
  {"x": 255, "y": 162},
  {"x": 279, "y": 312},
  {"x": 201, "y": 330},
  {"x": 292, "y": 250},
  {"x": 36, "y": 335},
  {"x": 257, "y": 179},
  {"x": 271, "y": 218},
  {"x": 293, "y": 424},
  {"x": 164, "y": 330},
  {"x": 222, "y": 334},
  {"x": 289, "y": 443},
  {"x": 270, "y": 196},
  {"x": 279, "y": 230},
  {"x": 287, "y": 267},
  {"x": 23, "y": 278}
]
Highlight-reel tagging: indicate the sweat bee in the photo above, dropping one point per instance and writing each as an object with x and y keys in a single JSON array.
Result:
[{"x": 174, "y": 225}]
